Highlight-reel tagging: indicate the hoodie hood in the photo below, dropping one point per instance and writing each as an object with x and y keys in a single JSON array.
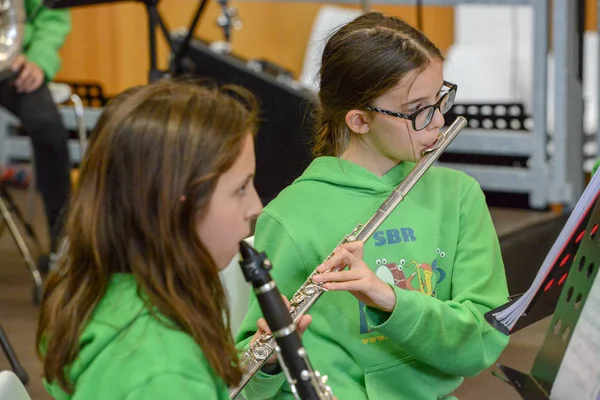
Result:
[
  {"x": 129, "y": 352},
  {"x": 118, "y": 309},
  {"x": 345, "y": 174}
]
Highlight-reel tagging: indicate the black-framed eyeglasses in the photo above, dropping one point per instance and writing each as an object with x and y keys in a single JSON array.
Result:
[{"x": 423, "y": 116}]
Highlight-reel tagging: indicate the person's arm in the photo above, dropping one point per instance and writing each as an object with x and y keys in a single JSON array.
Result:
[
  {"x": 289, "y": 273},
  {"x": 453, "y": 336},
  {"x": 49, "y": 29}
]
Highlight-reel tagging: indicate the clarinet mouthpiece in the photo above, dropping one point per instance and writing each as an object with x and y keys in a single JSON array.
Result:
[{"x": 247, "y": 251}]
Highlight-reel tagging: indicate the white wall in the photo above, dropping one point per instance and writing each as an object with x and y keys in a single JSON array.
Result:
[{"x": 492, "y": 59}]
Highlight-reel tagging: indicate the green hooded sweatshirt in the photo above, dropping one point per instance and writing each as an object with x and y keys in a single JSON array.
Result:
[
  {"x": 595, "y": 168},
  {"x": 128, "y": 354},
  {"x": 44, "y": 34},
  {"x": 438, "y": 250}
]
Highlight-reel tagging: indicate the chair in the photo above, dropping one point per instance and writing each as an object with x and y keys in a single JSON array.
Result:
[
  {"x": 11, "y": 387},
  {"x": 10, "y": 213}
]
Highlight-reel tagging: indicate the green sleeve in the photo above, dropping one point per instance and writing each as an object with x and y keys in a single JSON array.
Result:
[
  {"x": 49, "y": 29},
  {"x": 177, "y": 386},
  {"x": 595, "y": 168},
  {"x": 289, "y": 273},
  {"x": 453, "y": 335}
]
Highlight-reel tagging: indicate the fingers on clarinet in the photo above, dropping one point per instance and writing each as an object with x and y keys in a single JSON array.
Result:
[
  {"x": 286, "y": 301},
  {"x": 304, "y": 323},
  {"x": 262, "y": 325}
]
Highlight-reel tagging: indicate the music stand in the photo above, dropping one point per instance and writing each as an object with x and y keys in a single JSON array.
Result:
[
  {"x": 12, "y": 358},
  {"x": 8, "y": 208},
  {"x": 576, "y": 289},
  {"x": 154, "y": 19}
]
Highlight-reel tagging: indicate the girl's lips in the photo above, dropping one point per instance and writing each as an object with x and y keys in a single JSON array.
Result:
[{"x": 431, "y": 145}]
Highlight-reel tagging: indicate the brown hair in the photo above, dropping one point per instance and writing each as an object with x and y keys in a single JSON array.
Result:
[
  {"x": 164, "y": 141},
  {"x": 112, "y": 105},
  {"x": 361, "y": 61}
]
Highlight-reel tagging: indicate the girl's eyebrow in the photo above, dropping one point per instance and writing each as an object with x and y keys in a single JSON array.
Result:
[{"x": 423, "y": 98}]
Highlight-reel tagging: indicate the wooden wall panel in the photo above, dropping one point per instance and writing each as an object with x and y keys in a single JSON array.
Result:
[
  {"x": 591, "y": 15},
  {"x": 89, "y": 46},
  {"x": 109, "y": 43}
]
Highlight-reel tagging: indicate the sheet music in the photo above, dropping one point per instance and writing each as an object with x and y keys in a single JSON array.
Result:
[
  {"x": 511, "y": 314},
  {"x": 578, "y": 377}
]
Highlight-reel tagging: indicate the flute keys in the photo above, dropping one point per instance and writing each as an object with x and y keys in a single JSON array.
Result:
[
  {"x": 311, "y": 289},
  {"x": 298, "y": 299},
  {"x": 265, "y": 337},
  {"x": 260, "y": 349},
  {"x": 261, "y": 352}
]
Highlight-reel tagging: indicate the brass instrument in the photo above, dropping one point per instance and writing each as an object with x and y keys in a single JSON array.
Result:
[
  {"x": 260, "y": 351},
  {"x": 12, "y": 18}
]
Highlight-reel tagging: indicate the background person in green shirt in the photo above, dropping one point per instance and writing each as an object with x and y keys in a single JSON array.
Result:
[{"x": 26, "y": 95}]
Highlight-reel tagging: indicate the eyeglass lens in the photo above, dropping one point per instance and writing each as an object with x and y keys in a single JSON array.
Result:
[{"x": 426, "y": 115}]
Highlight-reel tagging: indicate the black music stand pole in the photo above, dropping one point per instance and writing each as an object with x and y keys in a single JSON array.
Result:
[
  {"x": 12, "y": 358},
  {"x": 154, "y": 20},
  {"x": 177, "y": 63}
]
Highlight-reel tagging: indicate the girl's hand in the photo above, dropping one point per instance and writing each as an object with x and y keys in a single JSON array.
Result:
[
  {"x": 358, "y": 279},
  {"x": 262, "y": 326}
]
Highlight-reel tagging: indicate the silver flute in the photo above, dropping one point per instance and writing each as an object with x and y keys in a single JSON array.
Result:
[{"x": 260, "y": 351}]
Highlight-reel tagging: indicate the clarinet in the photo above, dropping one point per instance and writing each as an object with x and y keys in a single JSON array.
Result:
[
  {"x": 306, "y": 384},
  {"x": 307, "y": 295}
]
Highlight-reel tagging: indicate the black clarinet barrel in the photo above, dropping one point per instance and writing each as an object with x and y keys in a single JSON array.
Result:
[{"x": 305, "y": 382}]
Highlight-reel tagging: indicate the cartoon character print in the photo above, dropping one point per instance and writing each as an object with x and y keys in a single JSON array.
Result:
[
  {"x": 391, "y": 273},
  {"x": 408, "y": 275},
  {"x": 412, "y": 275},
  {"x": 438, "y": 271}
]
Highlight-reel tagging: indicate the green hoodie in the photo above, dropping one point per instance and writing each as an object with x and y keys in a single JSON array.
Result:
[
  {"x": 44, "y": 34},
  {"x": 126, "y": 353},
  {"x": 438, "y": 250},
  {"x": 595, "y": 168}
]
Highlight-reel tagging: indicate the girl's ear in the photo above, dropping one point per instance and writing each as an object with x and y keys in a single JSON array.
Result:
[{"x": 357, "y": 121}]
